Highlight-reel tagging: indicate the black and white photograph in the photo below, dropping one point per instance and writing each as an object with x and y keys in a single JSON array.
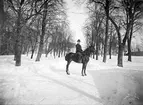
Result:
[{"x": 71, "y": 52}]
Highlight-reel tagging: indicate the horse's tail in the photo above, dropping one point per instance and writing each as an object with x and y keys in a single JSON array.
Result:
[{"x": 68, "y": 56}]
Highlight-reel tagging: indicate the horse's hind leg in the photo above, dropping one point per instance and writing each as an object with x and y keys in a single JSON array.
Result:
[{"x": 67, "y": 67}]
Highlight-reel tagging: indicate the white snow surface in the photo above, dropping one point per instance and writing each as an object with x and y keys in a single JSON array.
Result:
[{"x": 46, "y": 82}]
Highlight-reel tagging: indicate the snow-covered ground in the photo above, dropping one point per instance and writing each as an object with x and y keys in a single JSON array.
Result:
[{"x": 46, "y": 82}]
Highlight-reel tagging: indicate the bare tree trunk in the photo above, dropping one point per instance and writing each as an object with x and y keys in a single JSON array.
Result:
[
  {"x": 97, "y": 47},
  {"x": 32, "y": 53},
  {"x": 25, "y": 46},
  {"x": 121, "y": 45},
  {"x": 110, "y": 43},
  {"x": 34, "y": 48},
  {"x": 93, "y": 38},
  {"x": 18, "y": 40},
  {"x": 106, "y": 32},
  {"x": 40, "y": 50},
  {"x": 120, "y": 55},
  {"x": 129, "y": 44},
  {"x": 102, "y": 48},
  {"x": 48, "y": 50},
  {"x": 97, "y": 51},
  {"x": 121, "y": 48},
  {"x": 129, "y": 51},
  {"x": 59, "y": 53},
  {"x": 54, "y": 53},
  {"x": 28, "y": 47},
  {"x": 110, "y": 49},
  {"x": 1, "y": 13}
]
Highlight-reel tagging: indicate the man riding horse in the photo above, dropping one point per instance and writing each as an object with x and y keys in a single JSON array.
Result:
[
  {"x": 79, "y": 57},
  {"x": 79, "y": 51}
]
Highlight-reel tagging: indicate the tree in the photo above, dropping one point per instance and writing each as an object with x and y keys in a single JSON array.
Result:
[
  {"x": 112, "y": 10},
  {"x": 22, "y": 10},
  {"x": 106, "y": 5},
  {"x": 47, "y": 5},
  {"x": 18, "y": 36},
  {"x": 112, "y": 41},
  {"x": 98, "y": 29},
  {"x": 129, "y": 23},
  {"x": 7, "y": 35},
  {"x": 40, "y": 51},
  {"x": 1, "y": 12},
  {"x": 117, "y": 25},
  {"x": 107, "y": 26},
  {"x": 134, "y": 11}
]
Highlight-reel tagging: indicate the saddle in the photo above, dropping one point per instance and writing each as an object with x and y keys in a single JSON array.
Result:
[{"x": 79, "y": 57}]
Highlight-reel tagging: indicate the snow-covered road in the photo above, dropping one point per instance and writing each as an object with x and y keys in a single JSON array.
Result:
[{"x": 46, "y": 82}]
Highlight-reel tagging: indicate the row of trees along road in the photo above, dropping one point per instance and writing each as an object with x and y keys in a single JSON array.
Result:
[
  {"x": 111, "y": 24},
  {"x": 33, "y": 25}
]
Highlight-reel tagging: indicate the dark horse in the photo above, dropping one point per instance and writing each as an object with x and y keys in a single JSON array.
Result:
[{"x": 84, "y": 59}]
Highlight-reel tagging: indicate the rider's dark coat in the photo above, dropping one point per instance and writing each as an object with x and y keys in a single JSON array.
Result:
[{"x": 78, "y": 48}]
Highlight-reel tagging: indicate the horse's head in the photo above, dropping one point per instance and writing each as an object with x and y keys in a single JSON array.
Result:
[
  {"x": 89, "y": 50},
  {"x": 92, "y": 48}
]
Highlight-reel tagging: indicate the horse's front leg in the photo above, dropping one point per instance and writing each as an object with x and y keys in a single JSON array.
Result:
[
  {"x": 67, "y": 67},
  {"x": 85, "y": 69}
]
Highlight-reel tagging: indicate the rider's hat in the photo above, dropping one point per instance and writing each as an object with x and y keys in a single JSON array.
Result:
[{"x": 78, "y": 40}]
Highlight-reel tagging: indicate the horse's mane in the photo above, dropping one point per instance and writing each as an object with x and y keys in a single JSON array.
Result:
[{"x": 87, "y": 51}]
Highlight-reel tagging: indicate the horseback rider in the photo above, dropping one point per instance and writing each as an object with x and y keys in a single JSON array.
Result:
[{"x": 78, "y": 50}]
